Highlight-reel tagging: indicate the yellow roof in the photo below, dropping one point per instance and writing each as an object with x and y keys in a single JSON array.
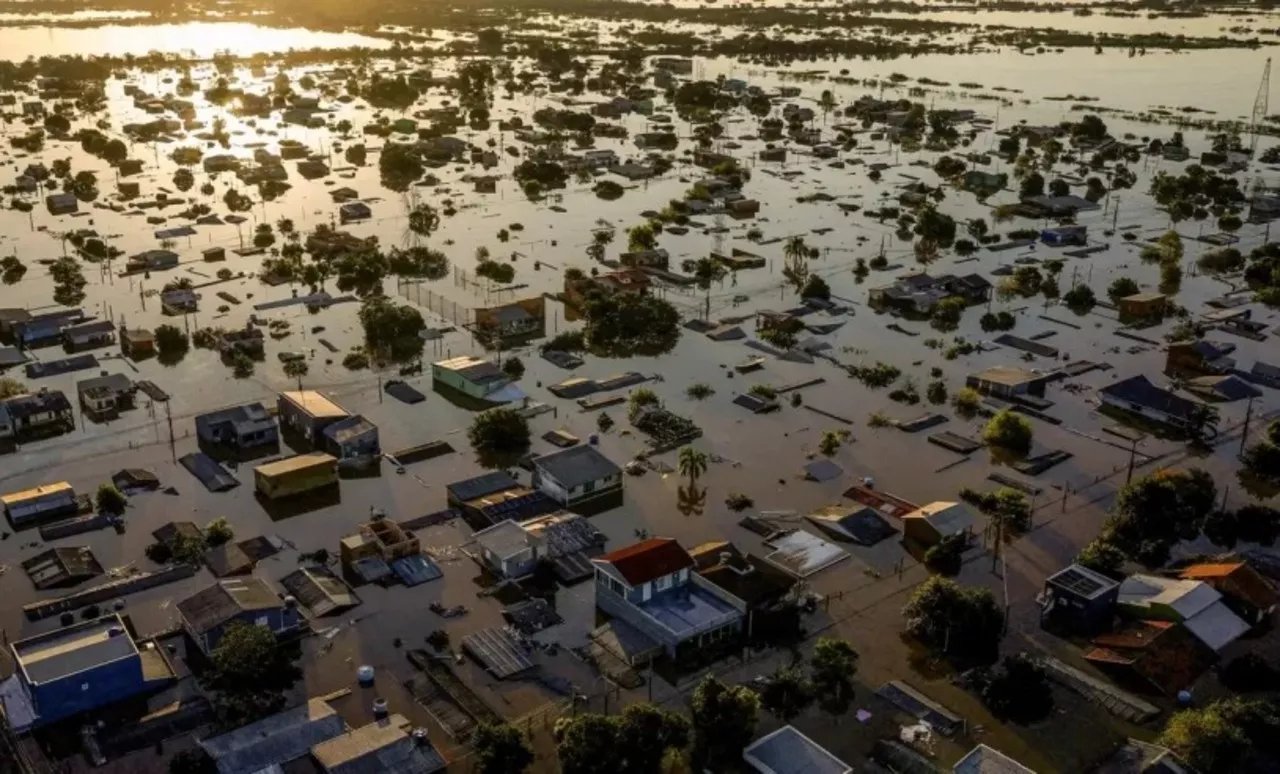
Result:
[
  {"x": 314, "y": 403},
  {"x": 34, "y": 492},
  {"x": 300, "y": 462}
]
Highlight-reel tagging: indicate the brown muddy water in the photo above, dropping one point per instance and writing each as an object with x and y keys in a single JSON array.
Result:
[{"x": 760, "y": 456}]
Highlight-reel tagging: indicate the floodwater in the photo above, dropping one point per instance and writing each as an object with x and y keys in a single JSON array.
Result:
[
  {"x": 25, "y": 19},
  {"x": 200, "y": 40},
  {"x": 760, "y": 456}
]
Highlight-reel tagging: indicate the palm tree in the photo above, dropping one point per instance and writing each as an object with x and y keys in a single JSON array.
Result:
[
  {"x": 796, "y": 254},
  {"x": 692, "y": 463},
  {"x": 1202, "y": 424}
]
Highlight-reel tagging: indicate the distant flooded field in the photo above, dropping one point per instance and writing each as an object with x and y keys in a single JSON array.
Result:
[{"x": 200, "y": 40}]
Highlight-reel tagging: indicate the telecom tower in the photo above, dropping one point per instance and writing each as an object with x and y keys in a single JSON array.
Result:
[{"x": 1260, "y": 107}]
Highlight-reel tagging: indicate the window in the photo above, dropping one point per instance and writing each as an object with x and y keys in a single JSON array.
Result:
[
  {"x": 263, "y": 621},
  {"x": 662, "y": 584},
  {"x": 589, "y": 487}
]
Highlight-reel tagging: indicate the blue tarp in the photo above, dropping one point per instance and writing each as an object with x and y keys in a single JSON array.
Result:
[{"x": 415, "y": 570}]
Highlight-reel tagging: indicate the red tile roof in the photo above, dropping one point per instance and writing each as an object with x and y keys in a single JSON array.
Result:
[
  {"x": 1237, "y": 580},
  {"x": 648, "y": 560}
]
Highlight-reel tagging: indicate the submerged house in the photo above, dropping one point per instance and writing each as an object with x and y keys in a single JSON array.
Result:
[
  {"x": 238, "y": 427},
  {"x": 206, "y": 615},
  {"x": 1194, "y": 604},
  {"x": 577, "y": 477},
  {"x": 1137, "y": 395},
  {"x": 80, "y": 668},
  {"x": 652, "y": 587},
  {"x": 40, "y": 412},
  {"x": 919, "y": 293}
]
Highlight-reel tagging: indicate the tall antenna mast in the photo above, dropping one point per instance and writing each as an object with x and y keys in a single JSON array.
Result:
[{"x": 1260, "y": 107}]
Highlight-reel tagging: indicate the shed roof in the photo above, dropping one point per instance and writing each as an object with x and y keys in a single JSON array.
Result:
[
  {"x": 988, "y": 760},
  {"x": 648, "y": 560},
  {"x": 1240, "y": 580},
  {"x": 297, "y": 462},
  {"x": 787, "y": 751},
  {"x": 1007, "y": 375},
  {"x": 947, "y": 518},
  {"x": 504, "y": 539},
  {"x": 62, "y": 653},
  {"x": 226, "y": 599},
  {"x": 382, "y": 747},
  {"x": 576, "y": 466},
  {"x": 314, "y": 404},
  {"x": 473, "y": 369},
  {"x": 1185, "y": 597},
  {"x": 275, "y": 739}
]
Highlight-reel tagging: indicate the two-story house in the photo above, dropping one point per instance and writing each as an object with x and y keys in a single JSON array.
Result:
[
  {"x": 206, "y": 615},
  {"x": 653, "y": 588}
]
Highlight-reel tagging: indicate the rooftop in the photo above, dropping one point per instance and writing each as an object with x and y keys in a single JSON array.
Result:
[
  {"x": 1007, "y": 376},
  {"x": 297, "y": 462},
  {"x": 1185, "y": 597},
  {"x": 1082, "y": 581},
  {"x": 276, "y": 739},
  {"x": 1140, "y": 390},
  {"x": 314, "y": 404},
  {"x": 787, "y": 751},
  {"x": 382, "y": 746},
  {"x": 473, "y": 369},
  {"x": 947, "y": 518},
  {"x": 482, "y": 485},
  {"x": 504, "y": 539},
  {"x": 987, "y": 760},
  {"x": 225, "y": 600},
  {"x": 1242, "y": 581},
  {"x": 576, "y": 466},
  {"x": 689, "y": 609},
  {"x": 349, "y": 429},
  {"x": 647, "y": 560},
  {"x": 44, "y": 490},
  {"x": 65, "y": 652}
]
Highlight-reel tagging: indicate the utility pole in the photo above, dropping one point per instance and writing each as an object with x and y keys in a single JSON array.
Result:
[
  {"x": 168, "y": 413},
  {"x": 1244, "y": 434},
  {"x": 1133, "y": 452}
]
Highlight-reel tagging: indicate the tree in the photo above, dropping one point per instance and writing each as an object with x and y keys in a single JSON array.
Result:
[
  {"x": 642, "y": 237},
  {"x": 947, "y": 313},
  {"x": 630, "y": 324},
  {"x": 966, "y": 401},
  {"x": 391, "y": 331},
  {"x": 1102, "y": 557},
  {"x": 218, "y": 532},
  {"x": 692, "y": 463},
  {"x": 296, "y": 368},
  {"x": 724, "y": 721},
  {"x": 830, "y": 443},
  {"x": 832, "y": 666},
  {"x": 1032, "y": 185},
  {"x": 172, "y": 343},
  {"x": 500, "y": 749},
  {"x": 1155, "y": 512},
  {"x": 1008, "y": 432},
  {"x": 249, "y": 675},
  {"x": 499, "y": 437},
  {"x": 111, "y": 501},
  {"x": 955, "y": 621},
  {"x": 786, "y": 694},
  {"x": 1018, "y": 690},
  {"x": 638, "y": 400},
  {"x": 796, "y": 255},
  {"x": 1122, "y": 287},
  {"x": 1202, "y": 424},
  {"x": 947, "y": 555},
  {"x": 635, "y": 742},
  {"x": 10, "y": 387},
  {"x": 1229, "y": 736},
  {"x": 1080, "y": 298},
  {"x": 816, "y": 287},
  {"x": 424, "y": 220},
  {"x": 1007, "y": 507},
  {"x": 513, "y": 367}
]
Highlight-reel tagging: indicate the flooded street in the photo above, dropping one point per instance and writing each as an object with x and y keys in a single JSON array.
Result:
[{"x": 180, "y": 203}]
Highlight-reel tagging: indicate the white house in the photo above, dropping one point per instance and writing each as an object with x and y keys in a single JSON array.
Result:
[{"x": 576, "y": 475}]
